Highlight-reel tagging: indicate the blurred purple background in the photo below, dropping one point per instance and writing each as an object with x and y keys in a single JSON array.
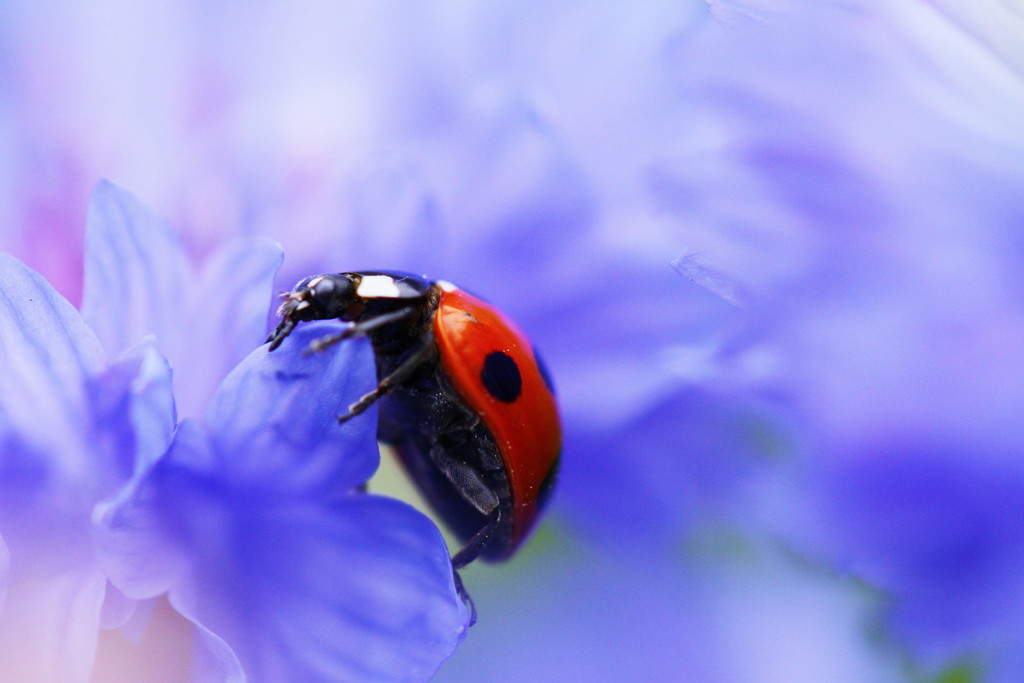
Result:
[{"x": 770, "y": 249}]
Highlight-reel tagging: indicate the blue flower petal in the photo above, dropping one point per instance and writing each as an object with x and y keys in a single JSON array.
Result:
[
  {"x": 251, "y": 525},
  {"x": 230, "y": 309},
  {"x": 153, "y": 412},
  {"x": 137, "y": 386},
  {"x": 138, "y": 283},
  {"x": 299, "y": 589},
  {"x": 118, "y": 609},
  {"x": 136, "y": 275},
  {"x": 274, "y": 417},
  {"x": 64, "y": 445},
  {"x": 215, "y": 660},
  {"x": 131, "y": 537},
  {"x": 50, "y": 463},
  {"x": 43, "y": 339},
  {"x": 358, "y": 590}
]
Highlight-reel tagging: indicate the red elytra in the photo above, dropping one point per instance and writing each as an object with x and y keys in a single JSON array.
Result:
[{"x": 526, "y": 430}]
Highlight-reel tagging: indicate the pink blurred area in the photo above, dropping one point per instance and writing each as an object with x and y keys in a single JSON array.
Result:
[
  {"x": 289, "y": 120},
  {"x": 160, "y": 649},
  {"x": 208, "y": 115}
]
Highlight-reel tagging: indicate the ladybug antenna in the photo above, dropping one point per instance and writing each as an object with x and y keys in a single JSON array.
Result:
[{"x": 294, "y": 301}]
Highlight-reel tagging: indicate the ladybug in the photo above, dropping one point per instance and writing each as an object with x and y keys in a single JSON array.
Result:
[{"x": 463, "y": 398}]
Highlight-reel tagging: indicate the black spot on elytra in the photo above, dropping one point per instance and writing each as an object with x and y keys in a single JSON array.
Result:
[{"x": 501, "y": 377}]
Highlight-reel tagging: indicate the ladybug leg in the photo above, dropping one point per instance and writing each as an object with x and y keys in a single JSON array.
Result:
[
  {"x": 357, "y": 330},
  {"x": 470, "y": 483},
  {"x": 480, "y": 539},
  {"x": 470, "y": 552},
  {"x": 283, "y": 329},
  {"x": 400, "y": 374},
  {"x": 464, "y": 596}
]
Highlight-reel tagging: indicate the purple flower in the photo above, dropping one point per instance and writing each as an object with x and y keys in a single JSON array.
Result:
[
  {"x": 250, "y": 520},
  {"x": 73, "y": 427},
  {"x": 842, "y": 176},
  {"x": 254, "y": 527}
]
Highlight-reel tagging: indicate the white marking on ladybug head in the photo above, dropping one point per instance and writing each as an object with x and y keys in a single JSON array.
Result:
[{"x": 378, "y": 287}]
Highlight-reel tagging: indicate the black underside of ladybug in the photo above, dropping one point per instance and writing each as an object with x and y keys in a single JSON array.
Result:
[{"x": 427, "y": 422}]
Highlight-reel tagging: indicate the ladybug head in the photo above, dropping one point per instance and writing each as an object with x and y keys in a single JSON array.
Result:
[{"x": 320, "y": 297}]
